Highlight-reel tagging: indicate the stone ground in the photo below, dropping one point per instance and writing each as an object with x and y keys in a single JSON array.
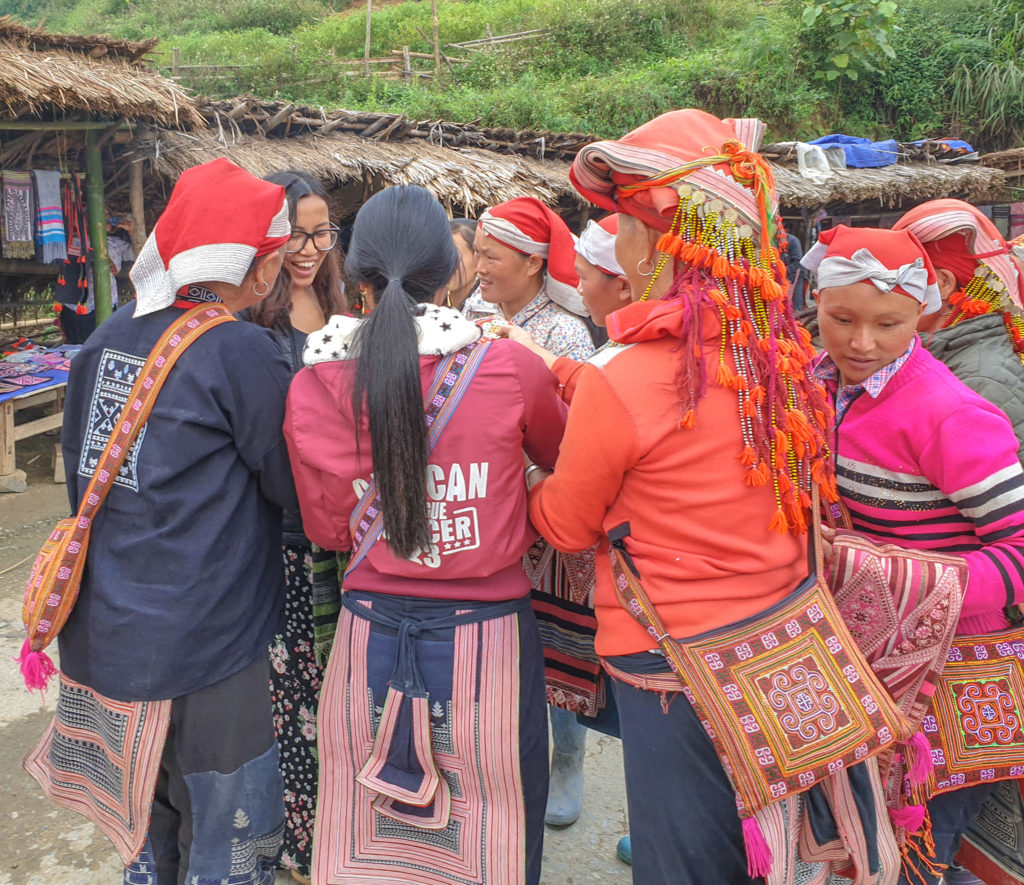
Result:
[{"x": 43, "y": 845}]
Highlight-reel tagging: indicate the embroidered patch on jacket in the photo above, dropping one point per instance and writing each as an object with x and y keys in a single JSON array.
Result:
[{"x": 114, "y": 380}]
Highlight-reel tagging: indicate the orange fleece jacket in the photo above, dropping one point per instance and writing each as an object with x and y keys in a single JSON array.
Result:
[{"x": 699, "y": 535}]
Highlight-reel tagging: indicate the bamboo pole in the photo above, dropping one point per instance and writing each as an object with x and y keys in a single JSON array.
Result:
[
  {"x": 437, "y": 42},
  {"x": 135, "y": 196},
  {"x": 366, "y": 50},
  {"x": 48, "y": 125},
  {"x": 97, "y": 223}
]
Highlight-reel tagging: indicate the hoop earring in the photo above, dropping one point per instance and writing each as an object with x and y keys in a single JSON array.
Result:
[
  {"x": 264, "y": 293},
  {"x": 448, "y": 298},
  {"x": 645, "y": 273}
]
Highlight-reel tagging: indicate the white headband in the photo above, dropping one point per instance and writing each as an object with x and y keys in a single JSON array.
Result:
[
  {"x": 835, "y": 270},
  {"x": 597, "y": 246}
]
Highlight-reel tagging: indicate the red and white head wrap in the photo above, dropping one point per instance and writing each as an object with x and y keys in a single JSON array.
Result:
[
  {"x": 597, "y": 245},
  {"x": 891, "y": 260},
  {"x": 528, "y": 226},
  {"x": 218, "y": 219},
  {"x": 960, "y": 239}
]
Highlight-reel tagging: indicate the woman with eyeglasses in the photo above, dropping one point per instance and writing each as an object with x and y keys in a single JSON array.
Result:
[{"x": 307, "y": 293}]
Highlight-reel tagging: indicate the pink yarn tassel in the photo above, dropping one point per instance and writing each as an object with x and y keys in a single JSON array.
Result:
[
  {"x": 921, "y": 765},
  {"x": 759, "y": 855},
  {"x": 909, "y": 817},
  {"x": 36, "y": 668}
]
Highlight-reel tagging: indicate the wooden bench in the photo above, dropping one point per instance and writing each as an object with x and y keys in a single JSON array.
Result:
[{"x": 12, "y": 479}]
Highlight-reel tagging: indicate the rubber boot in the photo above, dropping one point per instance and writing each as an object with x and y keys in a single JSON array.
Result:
[{"x": 565, "y": 791}]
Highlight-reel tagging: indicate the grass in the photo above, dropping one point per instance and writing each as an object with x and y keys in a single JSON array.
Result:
[{"x": 606, "y": 65}]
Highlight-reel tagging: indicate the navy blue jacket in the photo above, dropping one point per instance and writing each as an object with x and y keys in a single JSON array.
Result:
[{"x": 183, "y": 581}]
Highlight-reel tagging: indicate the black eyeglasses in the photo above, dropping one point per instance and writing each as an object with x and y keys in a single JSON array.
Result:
[{"x": 323, "y": 240}]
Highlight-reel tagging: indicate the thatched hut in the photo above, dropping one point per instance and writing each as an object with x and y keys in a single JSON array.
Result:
[
  {"x": 73, "y": 103},
  {"x": 469, "y": 167}
]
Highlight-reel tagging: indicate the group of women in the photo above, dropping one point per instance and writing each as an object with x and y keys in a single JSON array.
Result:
[{"x": 685, "y": 455}]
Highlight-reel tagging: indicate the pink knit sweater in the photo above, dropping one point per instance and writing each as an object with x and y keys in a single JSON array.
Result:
[{"x": 931, "y": 465}]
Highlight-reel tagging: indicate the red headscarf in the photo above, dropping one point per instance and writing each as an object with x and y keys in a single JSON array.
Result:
[
  {"x": 218, "y": 219},
  {"x": 528, "y": 226}
]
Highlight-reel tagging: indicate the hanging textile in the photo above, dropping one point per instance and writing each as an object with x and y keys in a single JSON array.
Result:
[
  {"x": 72, "y": 291},
  {"x": 17, "y": 216},
  {"x": 51, "y": 243}
]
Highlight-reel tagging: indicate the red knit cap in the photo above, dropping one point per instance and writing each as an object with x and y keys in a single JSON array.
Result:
[
  {"x": 528, "y": 226},
  {"x": 892, "y": 261},
  {"x": 218, "y": 219}
]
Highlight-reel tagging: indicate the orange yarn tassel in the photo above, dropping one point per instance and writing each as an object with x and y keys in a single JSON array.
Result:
[
  {"x": 758, "y": 476},
  {"x": 688, "y": 421},
  {"x": 725, "y": 377},
  {"x": 779, "y": 523},
  {"x": 748, "y": 456},
  {"x": 749, "y": 408},
  {"x": 758, "y": 393}
]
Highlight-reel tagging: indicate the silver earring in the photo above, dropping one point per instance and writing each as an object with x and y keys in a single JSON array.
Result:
[
  {"x": 264, "y": 293},
  {"x": 645, "y": 273}
]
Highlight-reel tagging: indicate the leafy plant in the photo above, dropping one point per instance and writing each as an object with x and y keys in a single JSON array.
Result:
[{"x": 846, "y": 38}]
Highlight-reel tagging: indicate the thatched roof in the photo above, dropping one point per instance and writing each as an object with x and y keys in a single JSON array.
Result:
[
  {"x": 53, "y": 76},
  {"x": 468, "y": 178},
  {"x": 890, "y": 186},
  {"x": 471, "y": 165}
]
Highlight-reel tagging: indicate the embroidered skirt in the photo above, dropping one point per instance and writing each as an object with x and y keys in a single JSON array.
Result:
[{"x": 433, "y": 745}]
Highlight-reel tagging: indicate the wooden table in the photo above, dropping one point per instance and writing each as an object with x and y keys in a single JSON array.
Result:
[{"x": 10, "y": 432}]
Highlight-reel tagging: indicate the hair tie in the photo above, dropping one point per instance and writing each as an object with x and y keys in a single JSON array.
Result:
[{"x": 395, "y": 280}]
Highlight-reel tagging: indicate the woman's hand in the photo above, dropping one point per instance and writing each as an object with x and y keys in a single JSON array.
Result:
[{"x": 521, "y": 336}]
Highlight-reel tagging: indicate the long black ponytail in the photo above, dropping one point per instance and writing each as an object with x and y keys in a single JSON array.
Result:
[{"x": 402, "y": 247}]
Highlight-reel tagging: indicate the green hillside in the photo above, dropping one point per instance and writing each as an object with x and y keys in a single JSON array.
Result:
[{"x": 806, "y": 66}]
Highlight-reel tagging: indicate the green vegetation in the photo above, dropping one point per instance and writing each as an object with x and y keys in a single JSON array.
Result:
[{"x": 909, "y": 69}]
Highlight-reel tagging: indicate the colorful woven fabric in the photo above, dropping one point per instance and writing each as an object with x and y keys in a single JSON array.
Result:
[
  {"x": 976, "y": 721},
  {"x": 472, "y": 829},
  {"x": 902, "y": 609},
  {"x": 18, "y": 241},
  {"x": 50, "y": 236},
  {"x": 563, "y": 602},
  {"x": 785, "y": 696},
  {"x": 101, "y": 758},
  {"x": 993, "y": 847}
]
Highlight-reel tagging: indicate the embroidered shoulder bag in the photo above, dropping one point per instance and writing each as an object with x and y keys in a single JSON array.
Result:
[
  {"x": 56, "y": 575},
  {"x": 785, "y": 696},
  {"x": 966, "y": 693}
]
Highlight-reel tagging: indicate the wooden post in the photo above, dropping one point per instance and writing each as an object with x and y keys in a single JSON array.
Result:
[
  {"x": 366, "y": 51},
  {"x": 97, "y": 223},
  {"x": 437, "y": 43},
  {"x": 406, "y": 64},
  {"x": 175, "y": 58},
  {"x": 135, "y": 196}
]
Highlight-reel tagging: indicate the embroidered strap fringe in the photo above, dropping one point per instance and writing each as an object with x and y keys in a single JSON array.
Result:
[
  {"x": 57, "y": 573},
  {"x": 785, "y": 696},
  {"x": 450, "y": 382},
  {"x": 101, "y": 758}
]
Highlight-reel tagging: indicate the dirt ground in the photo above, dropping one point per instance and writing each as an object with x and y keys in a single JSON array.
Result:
[{"x": 43, "y": 845}]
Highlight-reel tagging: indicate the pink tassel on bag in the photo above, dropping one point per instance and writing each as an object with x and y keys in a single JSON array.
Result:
[
  {"x": 920, "y": 765},
  {"x": 759, "y": 855},
  {"x": 909, "y": 817},
  {"x": 36, "y": 668}
]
